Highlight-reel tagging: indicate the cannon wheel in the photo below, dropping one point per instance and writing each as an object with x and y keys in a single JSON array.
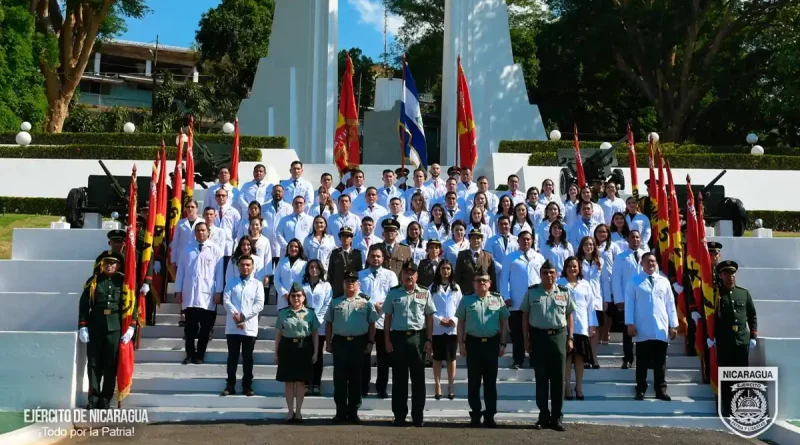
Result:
[
  {"x": 76, "y": 200},
  {"x": 734, "y": 210},
  {"x": 565, "y": 180},
  {"x": 619, "y": 178}
]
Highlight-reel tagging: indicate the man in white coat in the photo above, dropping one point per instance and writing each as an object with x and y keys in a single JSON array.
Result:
[
  {"x": 272, "y": 212},
  {"x": 626, "y": 266},
  {"x": 223, "y": 183},
  {"x": 651, "y": 318},
  {"x": 371, "y": 208},
  {"x": 296, "y": 186},
  {"x": 198, "y": 285},
  {"x": 502, "y": 244},
  {"x": 228, "y": 219},
  {"x": 376, "y": 281},
  {"x": 436, "y": 184},
  {"x": 215, "y": 234},
  {"x": 583, "y": 226},
  {"x": 492, "y": 200},
  {"x": 244, "y": 301},
  {"x": 343, "y": 218},
  {"x": 357, "y": 190},
  {"x": 389, "y": 190},
  {"x": 255, "y": 190},
  {"x": 295, "y": 225},
  {"x": 520, "y": 271},
  {"x": 517, "y": 197},
  {"x": 396, "y": 213},
  {"x": 366, "y": 238},
  {"x": 184, "y": 233}
]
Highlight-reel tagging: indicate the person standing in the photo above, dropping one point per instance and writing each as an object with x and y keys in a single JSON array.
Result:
[
  {"x": 465, "y": 186},
  {"x": 216, "y": 235},
  {"x": 297, "y": 186},
  {"x": 446, "y": 298},
  {"x": 418, "y": 187},
  {"x": 272, "y": 214},
  {"x": 370, "y": 207},
  {"x": 513, "y": 190},
  {"x": 350, "y": 323},
  {"x": 408, "y": 331},
  {"x": 296, "y": 343},
  {"x": 323, "y": 206},
  {"x": 223, "y": 183},
  {"x": 502, "y": 244},
  {"x": 482, "y": 334},
  {"x": 548, "y": 329},
  {"x": 255, "y": 190},
  {"x": 357, "y": 190},
  {"x": 198, "y": 285},
  {"x": 557, "y": 249},
  {"x": 343, "y": 218},
  {"x": 436, "y": 184},
  {"x": 296, "y": 225},
  {"x": 366, "y": 238},
  {"x": 319, "y": 296},
  {"x": 389, "y": 190},
  {"x": 100, "y": 312},
  {"x": 492, "y": 200},
  {"x": 626, "y": 266},
  {"x": 290, "y": 269},
  {"x": 228, "y": 219},
  {"x": 651, "y": 318},
  {"x": 458, "y": 243},
  {"x": 243, "y": 301},
  {"x": 610, "y": 203},
  {"x": 472, "y": 260},
  {"x": 343, "y": 259},
  {"x": 396, "y": 213},
  {"x": 184, "y": 233},
  {"x": 585, "y": 321},
  {"x": 428, "y": 267},
  {"x": 637, "y": 220},
  {"x": 584, "y": 225},
  {"x": 319, "y": 245},
  {"x": 395, "y": 254}
]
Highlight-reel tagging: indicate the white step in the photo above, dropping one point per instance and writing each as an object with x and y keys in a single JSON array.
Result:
[
  {"x": 206, "y": 370},
  {"x": 781, "y": 317},
  {"x": 44, "y": 275},
  {"x": 175, "y": 331},
  {"x": 761, "y": 252},
  {"x": 58, "y": 244},
  {"x": 769, "y": 283}
]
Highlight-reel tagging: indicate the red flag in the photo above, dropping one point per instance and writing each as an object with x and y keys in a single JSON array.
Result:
[
  {"x": 676, "y": 247},
  {"x": 708, "y": 291},
  {"x": 578, "y": 161},
  {"x": 147, "y": 249},
  {"x": 652, "y": 191},
  {"x": 188, "y": 193},
  {"x": 235, "y": 155},
  {"x": 663, "y": 217},
  {"x": 632, "y": 161},
  {"x": 159, "y": 233},
  {"x": 465, "y": 123},
  {"x": 346, "y": 149},
  {"x": 125, "y": 357},
  {"x": 175, "y": 209},
  {"x": 692, "y": 255}
]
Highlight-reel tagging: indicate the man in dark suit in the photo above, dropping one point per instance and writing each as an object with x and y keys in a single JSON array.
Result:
[
  {"x": 470, "y": 261},
  {"x": 429, "y": 266},
  {"x": 343, "y": 259},
  {"x": 395, "y": 254}
]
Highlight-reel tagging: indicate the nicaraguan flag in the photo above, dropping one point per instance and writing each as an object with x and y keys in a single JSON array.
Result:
[{"x": 412, "y": 134}]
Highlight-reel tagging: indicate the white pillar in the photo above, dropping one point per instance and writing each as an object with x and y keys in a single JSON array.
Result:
[
  {"x": 148, "y": 68},
  {"x": 449, "y": 141},
  {"x": 331, "y": 105},
  {"x": 97, "y": 63},
  {"x": 195, "y": 75}
]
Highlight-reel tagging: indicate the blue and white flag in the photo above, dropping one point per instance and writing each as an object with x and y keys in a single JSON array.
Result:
[{"x": 412, "y": 134}]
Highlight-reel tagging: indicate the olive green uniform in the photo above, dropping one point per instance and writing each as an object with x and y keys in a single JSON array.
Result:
[
  {"x": 409, "y": 311},
  {"x": 482, "y": 319},
  {"x": 296, "y": 348},
  {"x": 547, "y": 321},
  {"x": 736, "y": 325},
  {"x": 350, "y": 320},
  {"x": 102, "y": 314}
]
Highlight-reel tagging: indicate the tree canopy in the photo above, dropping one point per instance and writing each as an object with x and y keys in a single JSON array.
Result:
[{"x": 363, "y": 77}]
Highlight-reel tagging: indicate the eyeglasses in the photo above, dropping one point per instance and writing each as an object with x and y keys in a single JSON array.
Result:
[
  {"x": 220, "y": 196},
  {"x": 481, "y": 280}
]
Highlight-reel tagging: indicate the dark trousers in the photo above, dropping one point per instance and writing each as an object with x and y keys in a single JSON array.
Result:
[
  {"x": 730, "y": 355},
  {"x": 348, "y": 361},
  {"x": 517, "y": 337},
  {"x": 383, "y": 363},
  {"x": 627, "y": 349},
  {"x": 246, "y": 345},
  {"x": 482, "y": 362},
  {"x": 316, "y": 374},
  {"x": 101, "y": 353},
  {"x": 651, "y": 352},
  {"x": 198, "y": 327},
  {"x": 549, "y": 356},
  {"x": 408, "y": 360},
  {"x": 150, "y": 304}
]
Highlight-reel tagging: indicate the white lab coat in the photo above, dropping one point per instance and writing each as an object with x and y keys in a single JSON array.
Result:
[
  {"x": 625, "y": 268},
  {"x": 233, "y": 195},
  {"x": 430, "y": 231},
  {"x": 446, "y": 303},
  {"x": 319, "y": 249},
  {"x": 492, "y": 201},
  {"x": 251, "y": 191},
  {"x": 337, "y": 221},
  {"x": 610, "y": 207},
  {"x": 375, "y": 211},
  {"x": 641, "y": 223},
  {"x": 426, "y": 193},
  {"x": 451, "y": 249},
  {"x": 517, "y": 198},
  {"x": 423, "y": 218},
  {"x": 608, "y": 253},
  {"x": 377, "y": 287},
  {"x": 356, "y": 195},
  {"x": 229, "y": 223},
  {"x": 592, "y": 274},
  {"x": 650, "y": 308},
  {"x": 557, "y": 254},
  {"x": 319, "y": 299},
  {"x": 418, "y": 251},
  {"x": 517, "y": 228},
  {"x": 584, "y": 315},
  {"x": 184, "y": 235},
  {"x": 578, "y": 229},
  {"x": 261, "y": 248},
  {"x": 363, "y": 244},
  {"x": 272, "y": 217},
  {"x": 285, "y": 275},
  {"x": 317, "y": 210},
  {"x": 302, "y": 188},
  {"x": 199, "y": 276},
  {"x": 258, "y": 270},
  {"x": 519, "y": 274},
  {"x": 293, "y": 227},
  {"x": 244, "y": 296},
  {"x": 570, "y": 210},
  {"x": 464, "y": 190},
  {"x": 499, "y": 252},
  {"x": 438, "y": 187},
  {"x": 385, "y": 194},
  {"x": 217, "y": 236},
  {"x": 401, "y": 218}
]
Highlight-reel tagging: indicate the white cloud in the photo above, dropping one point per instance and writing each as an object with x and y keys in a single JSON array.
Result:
[{"x": 371, "y": 13}]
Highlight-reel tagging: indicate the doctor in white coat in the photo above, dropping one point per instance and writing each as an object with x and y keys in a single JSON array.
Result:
[
  {"x": 184, "y": 233},
  {"x": 296, "y": 225},
  {"x": 290, "y": 269}
]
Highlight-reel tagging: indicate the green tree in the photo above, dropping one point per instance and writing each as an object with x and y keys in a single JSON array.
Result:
[
  {"x": 231, "y": 39},
  {"x": 363, "y": 78},
  {"x": 21, "y": 91},
  {"x": 66, "y": 34}
]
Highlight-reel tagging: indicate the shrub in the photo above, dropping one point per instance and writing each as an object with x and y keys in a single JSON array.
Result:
[
  {"x": 706, "y": 161},
  {"x": 143, "y": 139},
  {"x": 667, "y": 148},
  {"x": 103, "y": 152}
]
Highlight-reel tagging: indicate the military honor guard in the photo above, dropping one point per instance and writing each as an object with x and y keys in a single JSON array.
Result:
[
  {"x": 470, "y": 261},
  {"x": 116, "y": 243},
  {"x": 350, "y": 327},
  {"x": 395, "y": 254},
  {"x": 482, "y": 333},
  {"x": 408, "y": 331},
  {"x": 547, "y": 330},
  {"x": 296, "y": 343},
  {"x": 243, "y": 301},
  {"x": 342, "y": 260},
  {"x": 100, "y": 323}
]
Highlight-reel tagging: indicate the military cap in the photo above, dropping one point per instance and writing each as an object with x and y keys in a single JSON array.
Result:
[
  {"x": 350, "y": 275},
  {"x": 116, "y": 234},
  {"x": 481, "y": 272},
  {"x": 390, "y": 224},
  {"x": 475, "y": 232},
  {"x": 434, "y": 242},
  {"x": 548, "y": 266},
  {"x": 296, "y": 287},
  {"x": 714, "y": 246},
  {"x": 727, "y": 266},
  {"x": 409, "y": 265},
  {"x": 452, "y": 171},
  {"x": 110, "y": 255},
  {"x": 345, "y": 231},
  {"x": 141, "y": 220},
  {"x": 402, "y": 172}
]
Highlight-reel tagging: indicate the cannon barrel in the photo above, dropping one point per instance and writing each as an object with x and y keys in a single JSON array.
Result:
[
  {"x": 713, "y": 181},
  {"x": 115, "y": 185}
]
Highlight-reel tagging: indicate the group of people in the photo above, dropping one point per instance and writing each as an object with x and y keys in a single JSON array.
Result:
[{"x": 427, "y": 270}]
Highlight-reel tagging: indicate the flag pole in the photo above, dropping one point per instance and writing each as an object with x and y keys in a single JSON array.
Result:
[
  {"x": 403, "y": 128},
  {"x": 458, "y": 104},
  {"x": 348, "y": 64}
]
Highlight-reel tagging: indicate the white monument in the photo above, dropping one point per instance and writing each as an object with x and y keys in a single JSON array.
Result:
[
  {"x": 294, "y": 92},
  {"x": 478, "y": 31}
]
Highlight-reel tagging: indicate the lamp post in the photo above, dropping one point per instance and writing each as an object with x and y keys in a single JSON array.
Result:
[{"x": 555, "y": 135}]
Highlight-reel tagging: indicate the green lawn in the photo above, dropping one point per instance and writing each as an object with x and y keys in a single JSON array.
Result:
[
  {"x": 9, "y": 222},
  {"x": 776, "y": 234},
  {"x": 10, "y": 421},
  {"x": 795, "y": 423}
]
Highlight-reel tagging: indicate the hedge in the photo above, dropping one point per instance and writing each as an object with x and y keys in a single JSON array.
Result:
[
  {"x": 775, "y": 220},
  {"x": 143, "y": 139},
  {"x": 102, "y": 152},
  {"x": 708, "y": 161},
  {"x": 667, "y": 148}
]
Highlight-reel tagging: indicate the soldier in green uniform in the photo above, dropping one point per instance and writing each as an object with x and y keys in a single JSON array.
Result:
[
  {"x": 548, "y": 310},
  {"x": 351, "y": 321},
  {"x": 736, "y": 325},
  {"x": 116, "y": 242},
  {"x": 100, "y": 314},
  {"x": 482, "y": 332},
  {"x": 408, "y": 333}
]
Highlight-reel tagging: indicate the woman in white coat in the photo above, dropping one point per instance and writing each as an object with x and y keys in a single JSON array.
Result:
[
  {"x": 415, "y": 242},
  {"x": 608, "y": 250},
  {"x": 253, "y": 211},
  {"x": 521, "y": 220},
  {"x": 245, "y": 247},
  {"x": 446, "y": 296},
  {"x": 592, "y": 268},
  {"x": 323, "y": 206},
  {"x": 318, "y": 297},
  {"x": 452, "y": 247},
  {"x": 439, "y": 227},
  {"x": 571, "y": 204},
  {"x": 319, "y": 244},
  {"x": 619, "y": 230},
  {"x": 290, "y": 269},
  {"x": 261, "y": 245},
  {"x": 557, "y": 249},
  {"x": 552, "y": 213},
  {"x": 417, "y": 210}
]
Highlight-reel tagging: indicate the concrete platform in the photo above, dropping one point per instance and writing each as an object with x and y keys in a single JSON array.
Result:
[
  {"x": 44, "y": 275},
  {"x": 58, "y": 244},
  {"x": 770, "y": 283},
  {"x": 23, "y": 311},
  {"x": 761, "y": 252}
]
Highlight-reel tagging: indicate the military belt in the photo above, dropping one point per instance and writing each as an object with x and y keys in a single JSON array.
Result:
[
  {"x": 483, "y": 339},
  {"x": 410, "y": 333},
  {"x": 349, "y": 337},
  {"x": 555, "y": 331},
  {"x": 296, "y": 339}
]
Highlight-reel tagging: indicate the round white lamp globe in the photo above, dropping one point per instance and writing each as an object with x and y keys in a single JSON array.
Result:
[
  {"x": 228, "y": 128},
  {"x": 184, "y": 139},
  {"x": 757, "y": 150},
  {"x": 758, "y": 223},
  {"x": 129, "y": 127},
  {"x": 654, "y": 136},
  {"x": 114, "y": 215},
  {"x": 23, "y": 138},
  {"x": 26, "y": 126},
  {"x": 555, "y": 135},
  {"x": 752, "y": 138},
  {"x": 605, "y": 146}
]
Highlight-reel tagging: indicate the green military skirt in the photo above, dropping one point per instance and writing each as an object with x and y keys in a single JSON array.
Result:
[{"x": 294, "y": 359}]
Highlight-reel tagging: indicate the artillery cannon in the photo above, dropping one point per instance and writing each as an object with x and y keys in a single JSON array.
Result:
[
  {"x": 208, "y": 159},
  {"x": 597, "y": 164}
]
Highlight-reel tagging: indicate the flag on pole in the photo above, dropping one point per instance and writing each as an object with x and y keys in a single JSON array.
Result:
[
  {"x": 676, "y": 249},
  {"x": 581, "y": 176},
  {"x": 708, "y": 291},
  {"x": 692, "y": 268},
  {"x": 159, "y": 232},
  {"x": 125, "y": 355},
  {"x": 663, "y": 216},
  {"x": 652, "y": 191},
  {"x": 188, "y": 193},
  {"x": 465, "y": 123},
  {"x": 346, "y": 149},
  {"x": 175, "y": 209},
  {"x": 147, "y": 248},
  {"x": 412, "y": 133},
  {"x": 632, "y": 161},
  {"x": 235, "y": 155}
]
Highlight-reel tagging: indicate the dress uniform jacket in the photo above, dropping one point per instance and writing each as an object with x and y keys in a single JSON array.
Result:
[
  {"x": 500, "y": 248},
  {"x": 107, "y": 298},
  {"x": 245, "y": 296},
  {"x": 737, "y": 323},
  {"x": 351, "y": 317},
  {"x": 394, "y": 261},
  {"x": 519, "y": 273},
  {"x": 467, "y": 265},
  {"x": 426, "y": 272},
  {"x": 286, "y": 274},
  {"x": 200, "y": 276},
  {"x": 340, "y": 262},
  {"x": 376, "y": 284},
  {"x": 184, "y": 234},
  {"x": 272, "y": 217},
  {"x": 293, "y": 226},
  {"x": 228, "y": 220}
]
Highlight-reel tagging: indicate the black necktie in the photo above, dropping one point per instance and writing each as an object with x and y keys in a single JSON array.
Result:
[
  {"x": 505, "y": 242},
  {"x": 394, "y": 217},
  {"x": 636, "y": 255},
  {"x": 200, "y": 246},
  {"x": 651, "y": 280},
  {"x": 358, "y": 190},
  {"x": 295, "y": 182},
  {"x": 258, "y": 183}
]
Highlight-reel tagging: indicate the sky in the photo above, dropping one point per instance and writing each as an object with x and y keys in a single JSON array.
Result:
[{"x": 360, "y": 24}]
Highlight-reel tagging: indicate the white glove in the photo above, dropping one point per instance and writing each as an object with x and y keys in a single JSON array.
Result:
[
  {"x": 696, "y": 316},
  {"x": 128, "y": 335},
  {"x": 710, "y": 343},
  {"x": 157, "y": 267},
  {"x": 83, "y": 335},
  {"x": 752, "y": 343},
  {"x": 345, "y": 178},
  {"x": 144, "y": 289},
  {"x": 678, "y": 288}
]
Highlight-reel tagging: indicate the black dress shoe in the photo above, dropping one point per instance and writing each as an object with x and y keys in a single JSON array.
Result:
[
  {"x": 639, "y": 396},
  {"x": 596, "y": 366},
  {"x": 186, "y": 361},
  {"x": 339, "y": 418},
  {"x": 383, "y": 395},
  {"x": 489, "y": 422},
  {"x": 624, "y": 365},
  {"x": 399, "y": 422},
  {"x": 437, "y": 396},
  {"x": 228, "y": 391},
  {"x": 419, "y": 423},
  {"x": 475, "y": 422},
  {"x": 664, "y": 396},
  {"x": 354, "y": 419},
  {"x": 557, "y": 426},
  {"x": 539, "y": 426},
  {"x": 197, "y": 361}
]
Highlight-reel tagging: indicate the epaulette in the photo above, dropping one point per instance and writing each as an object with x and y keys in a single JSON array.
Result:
[
  {"x": 495, "y": 294},
  {"x": 562, "y": 288},
  {"x": 534, "y": 286},
  {"x": 363, "y": 295}
]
